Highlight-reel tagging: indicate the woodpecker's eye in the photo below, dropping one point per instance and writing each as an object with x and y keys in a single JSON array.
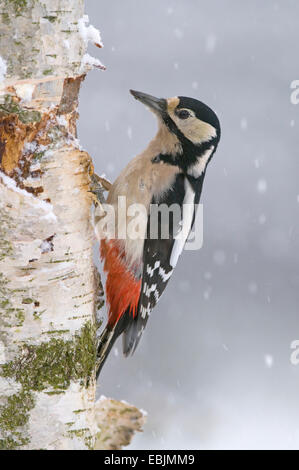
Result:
[{"x": 183, "y": 114}]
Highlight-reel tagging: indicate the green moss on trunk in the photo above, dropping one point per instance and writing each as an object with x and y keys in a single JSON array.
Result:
[
  {"x": 9, "y": 106},
  {"x": 13, "y": 416},
  {"x": 19, "y": 6},
  {"x": 6, "y": 226},
  {"x": 10, "y": 316},
  {"x": 54, "y": 364}
]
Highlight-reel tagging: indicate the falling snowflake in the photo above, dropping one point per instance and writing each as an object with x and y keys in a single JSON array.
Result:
[
  {"x": 129, "y": 132},
  {"x": 262, "y": 219},
  {"x": 211, "y": 41},
  {"x": 208, "y": 275},
  {"x": 262, "y": 186},
  {"x": 179, "y": 34},
  {"x": 207, "y": 293},
  {"x": 244, "y": 124},
  {"x": 268, "y": 360}
]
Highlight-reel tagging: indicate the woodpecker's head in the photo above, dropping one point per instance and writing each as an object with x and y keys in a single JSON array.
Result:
[{"x": 194, "y": 124}]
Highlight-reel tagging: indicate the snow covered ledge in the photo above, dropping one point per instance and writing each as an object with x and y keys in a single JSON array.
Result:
[{"x": 48, "y": 284}]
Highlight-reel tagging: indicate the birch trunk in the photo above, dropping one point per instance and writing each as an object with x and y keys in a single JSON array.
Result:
[{"x": 48, "y": 284}]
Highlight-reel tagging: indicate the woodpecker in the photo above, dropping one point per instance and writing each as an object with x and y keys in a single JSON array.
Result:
[{"x": 171, "y": 170}]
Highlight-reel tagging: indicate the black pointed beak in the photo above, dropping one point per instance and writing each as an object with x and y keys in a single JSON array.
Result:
[{"x": 157, "y": 105}]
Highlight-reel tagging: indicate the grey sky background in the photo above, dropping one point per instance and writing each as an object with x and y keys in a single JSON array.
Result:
[{"x": 213, "y": 368}]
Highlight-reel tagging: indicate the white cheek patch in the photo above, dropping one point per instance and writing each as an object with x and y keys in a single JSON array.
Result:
[
  {"x": 194, "y": 129},
  {"x": 188, "y": 212},
  {"x": 199, "y": 167}
]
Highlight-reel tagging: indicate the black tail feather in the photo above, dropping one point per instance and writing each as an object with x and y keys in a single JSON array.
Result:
[
  {"x": 106, "y": 342},
  {"x": 132, "y": 335},
  {"x": 108, "y": 338}
]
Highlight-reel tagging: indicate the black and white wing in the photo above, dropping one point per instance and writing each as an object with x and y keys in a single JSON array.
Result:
[{"x": 160, "y": 255}]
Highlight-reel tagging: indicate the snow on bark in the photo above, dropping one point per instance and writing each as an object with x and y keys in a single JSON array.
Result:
[
  {"x": 89, "y": 62},
  {"x": 3, "y": 69},
  {"x": 89, "y": 32},
  {"x": 49, "y": 288}
]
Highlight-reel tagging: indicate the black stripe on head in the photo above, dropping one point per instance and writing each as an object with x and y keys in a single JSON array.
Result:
[
  {"x": 187, "y": 145},
  {"x": 191, "y": 151},
  {"x": 201, "y": 110}
]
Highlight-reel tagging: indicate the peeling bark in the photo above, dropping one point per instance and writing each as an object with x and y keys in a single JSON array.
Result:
[
  {"x": 118, "y": 422},
  {"x": 49, "y": 287}
]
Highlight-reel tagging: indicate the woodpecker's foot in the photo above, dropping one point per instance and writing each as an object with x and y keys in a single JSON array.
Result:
[{"x": 98, "y": 185}]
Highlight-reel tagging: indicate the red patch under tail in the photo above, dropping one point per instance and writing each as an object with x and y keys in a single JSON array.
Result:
[{"x": 122, "y": 288}]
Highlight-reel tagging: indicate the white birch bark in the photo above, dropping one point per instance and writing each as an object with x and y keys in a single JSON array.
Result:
[{"x": 48, "y": 284}]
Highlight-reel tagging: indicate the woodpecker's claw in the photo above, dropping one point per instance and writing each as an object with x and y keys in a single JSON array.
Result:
[
  {"x": 98, "y": 186},
  {"x": 97, "y": 198}
]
